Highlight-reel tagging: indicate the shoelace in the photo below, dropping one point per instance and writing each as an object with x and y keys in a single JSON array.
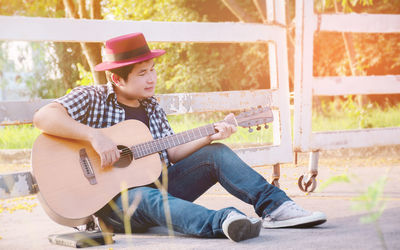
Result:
[{"x": 290, "y": 206}]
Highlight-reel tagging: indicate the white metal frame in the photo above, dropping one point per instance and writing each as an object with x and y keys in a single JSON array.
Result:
[
  {"x": 77, "y": 30},
  {"x": 306, "y": 85}
]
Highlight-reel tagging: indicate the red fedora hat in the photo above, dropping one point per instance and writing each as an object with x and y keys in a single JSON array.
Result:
[{"x": 125, "y": 50}]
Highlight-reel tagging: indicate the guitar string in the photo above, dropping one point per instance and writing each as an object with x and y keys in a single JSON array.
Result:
[
  {"x": 130, "y": 152},
  {"x": 141, "y": 151}
]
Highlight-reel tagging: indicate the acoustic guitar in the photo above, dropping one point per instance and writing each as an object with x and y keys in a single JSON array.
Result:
[{"x": 72, "y": 185}]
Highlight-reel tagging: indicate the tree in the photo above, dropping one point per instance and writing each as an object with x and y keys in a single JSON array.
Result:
[
  {"x": 92, "y": 51},
  {"x": 59, "y": 66},
  {"x": 357, "y": 54}
]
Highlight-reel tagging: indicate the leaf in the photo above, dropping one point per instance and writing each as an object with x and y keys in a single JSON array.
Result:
[
  {"x": 334, "y": 179},
  {"x": 371, "y": 201}
]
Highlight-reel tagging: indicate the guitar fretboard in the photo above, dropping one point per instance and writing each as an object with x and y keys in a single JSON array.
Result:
[{"x": 151, "y": 147}]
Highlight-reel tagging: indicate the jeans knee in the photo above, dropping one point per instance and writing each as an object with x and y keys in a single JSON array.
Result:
[
  {"x": 220, "y": 152},
  {"x": 218, "y": 148}
]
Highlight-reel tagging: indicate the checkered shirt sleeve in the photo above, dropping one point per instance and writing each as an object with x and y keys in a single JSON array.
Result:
[
  {"x": 77, "y": 104},
  {"x": 90, "y": 105},
  {"x": 159, "y": 125}
]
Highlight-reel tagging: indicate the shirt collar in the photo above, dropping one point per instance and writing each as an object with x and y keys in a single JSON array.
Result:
[
  {"x": 110, "y": 92},
  {"x": 149, "y": 103}
]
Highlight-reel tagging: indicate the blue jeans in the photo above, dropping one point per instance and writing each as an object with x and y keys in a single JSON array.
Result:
[{"x": 190, "y": 178}]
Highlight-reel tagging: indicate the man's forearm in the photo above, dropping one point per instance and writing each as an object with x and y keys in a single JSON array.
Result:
[
  {"x": 177, "y": 153},
  {"x": 53, "y": 119}
]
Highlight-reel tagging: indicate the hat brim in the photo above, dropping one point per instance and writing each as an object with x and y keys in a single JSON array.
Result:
[{"x": 113, "y": 65}]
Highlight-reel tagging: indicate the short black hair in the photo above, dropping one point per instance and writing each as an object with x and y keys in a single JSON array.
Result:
[{"x": 122, "y": 72}]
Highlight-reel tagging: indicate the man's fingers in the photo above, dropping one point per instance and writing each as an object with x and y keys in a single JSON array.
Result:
[
  {"x": 110, "y": 157},
  {"x": 103, "y": 160},
  {"x": 115, "y": 155}
]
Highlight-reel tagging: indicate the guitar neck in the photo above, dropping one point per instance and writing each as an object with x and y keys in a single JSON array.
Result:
[{"x": 151, "y": 147}]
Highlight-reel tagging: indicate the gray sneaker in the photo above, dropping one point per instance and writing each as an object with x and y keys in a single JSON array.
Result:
[
  {"x": 238, "y": 227},
  {"x": 289, "y": 214}
]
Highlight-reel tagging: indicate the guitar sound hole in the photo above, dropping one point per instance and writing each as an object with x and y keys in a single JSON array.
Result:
[{"x": 126, "y": 157}]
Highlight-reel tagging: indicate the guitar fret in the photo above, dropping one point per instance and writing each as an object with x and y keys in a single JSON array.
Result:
[
  {"x": 172, "y": 140},
  {"x": 145, "y": 148},
  {"x": 163, "y": 145},
  {"x": 192, "y": 132},
  {"x": 148, "y": 148},
  {"x": 187, "y": 139},
  {"x": 157, "y": 145},
  {"x": 198, "y": 133},
  {"x": 203, "y": 131},
  {"x": 177, "y": 141},
  {"x": 135, "y": 149},
  {"x": 142, "y": 149}
]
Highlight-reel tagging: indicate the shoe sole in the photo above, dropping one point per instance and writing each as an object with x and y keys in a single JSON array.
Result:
[
  {"x": 243, "y": 229},
  {"x": 302, "y": 222}
]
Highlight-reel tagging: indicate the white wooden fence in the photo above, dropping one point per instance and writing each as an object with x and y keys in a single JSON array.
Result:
[
  {"x": 72, "y": 30},
  {"x": 307, "y": 85}
]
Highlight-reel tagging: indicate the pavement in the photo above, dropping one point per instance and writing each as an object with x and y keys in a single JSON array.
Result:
[{"x": 24, "y": 225}]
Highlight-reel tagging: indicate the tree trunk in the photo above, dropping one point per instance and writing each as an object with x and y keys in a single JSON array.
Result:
[
  {"x": 92, "y": 51},
  {"x": 352, "y": 59},
  {"x": 236, "y": 10},
  {"x": 261, "y": 8}
]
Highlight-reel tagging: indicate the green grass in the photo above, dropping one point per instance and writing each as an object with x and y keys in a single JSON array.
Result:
[
  {"x": 18, "y": 137},
  {"x": 348, "y": 116},
  {"x": 241, "y": 137}
]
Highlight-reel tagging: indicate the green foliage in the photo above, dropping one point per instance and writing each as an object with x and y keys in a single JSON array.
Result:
[
  {"x": 375, "y": 54},
  {"x": 18, "y": 137},
  {"x": 389, "y": 116},
  {"x": 85, "y": 77},
  {"x": 346, "y": 5},
  {"x": 53, "y": 64},
  {"x": 344, "y": 178},
  {"x": 42, "y": 8},
  {"x": 197, "y": 67},
  {"x": 371, "y": 201},
  {"x": 347, "y": 114},
  {"x": 242, "y": 137}
]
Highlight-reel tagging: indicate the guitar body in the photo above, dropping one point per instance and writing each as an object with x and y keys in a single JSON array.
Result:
[
  {"x": 73, "y": 186},
  {"x": 66, "y": 194}
]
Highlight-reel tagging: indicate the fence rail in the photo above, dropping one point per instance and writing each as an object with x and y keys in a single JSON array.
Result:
[
  {"x": 307, "y": 86},
  {"x": 274, "y": 36},
  {"x": 76, "y": 30}
]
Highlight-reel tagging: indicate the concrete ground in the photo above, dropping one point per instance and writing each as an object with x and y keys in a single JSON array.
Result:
[{"x": 24, "y": 225}]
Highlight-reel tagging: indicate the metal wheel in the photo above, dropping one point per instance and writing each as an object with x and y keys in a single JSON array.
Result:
[
  {"x": 276, "y": 183},
  {"x": 307, "y": 184}
]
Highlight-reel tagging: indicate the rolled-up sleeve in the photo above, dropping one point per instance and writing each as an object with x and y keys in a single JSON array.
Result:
[
  {"x": 76, "y": 103},
  {"x": 165, "y": 126}
]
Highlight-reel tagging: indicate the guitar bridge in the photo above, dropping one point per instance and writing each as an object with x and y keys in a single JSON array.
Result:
[{"x": 87, "y": 166}]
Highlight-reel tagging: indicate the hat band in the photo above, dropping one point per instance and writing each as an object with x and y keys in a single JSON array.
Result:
[{"x": 127, "y": 54}]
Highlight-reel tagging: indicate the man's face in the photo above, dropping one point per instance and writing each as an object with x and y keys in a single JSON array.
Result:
[{"x": 141, "y": 81}]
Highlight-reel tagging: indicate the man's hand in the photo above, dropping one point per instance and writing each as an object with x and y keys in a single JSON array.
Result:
[
  {"x": 224, "y": 129},
  {"x": 105, "y": 147}
]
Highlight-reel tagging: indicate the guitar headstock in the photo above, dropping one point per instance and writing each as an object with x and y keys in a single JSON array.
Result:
[{"x": 255, "y": 117}]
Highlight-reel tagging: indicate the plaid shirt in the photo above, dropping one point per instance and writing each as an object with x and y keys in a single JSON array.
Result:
[{"x": 97, "y": 107}]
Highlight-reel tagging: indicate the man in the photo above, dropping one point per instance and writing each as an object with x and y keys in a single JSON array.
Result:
[{"x": 197, "y": 165}]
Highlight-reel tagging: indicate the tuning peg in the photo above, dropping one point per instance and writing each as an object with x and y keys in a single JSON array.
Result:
[
  {"x": 266, "y": 126},
  {"x": 250, "y": 130},
  {"x": 258, "y": 128}
]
